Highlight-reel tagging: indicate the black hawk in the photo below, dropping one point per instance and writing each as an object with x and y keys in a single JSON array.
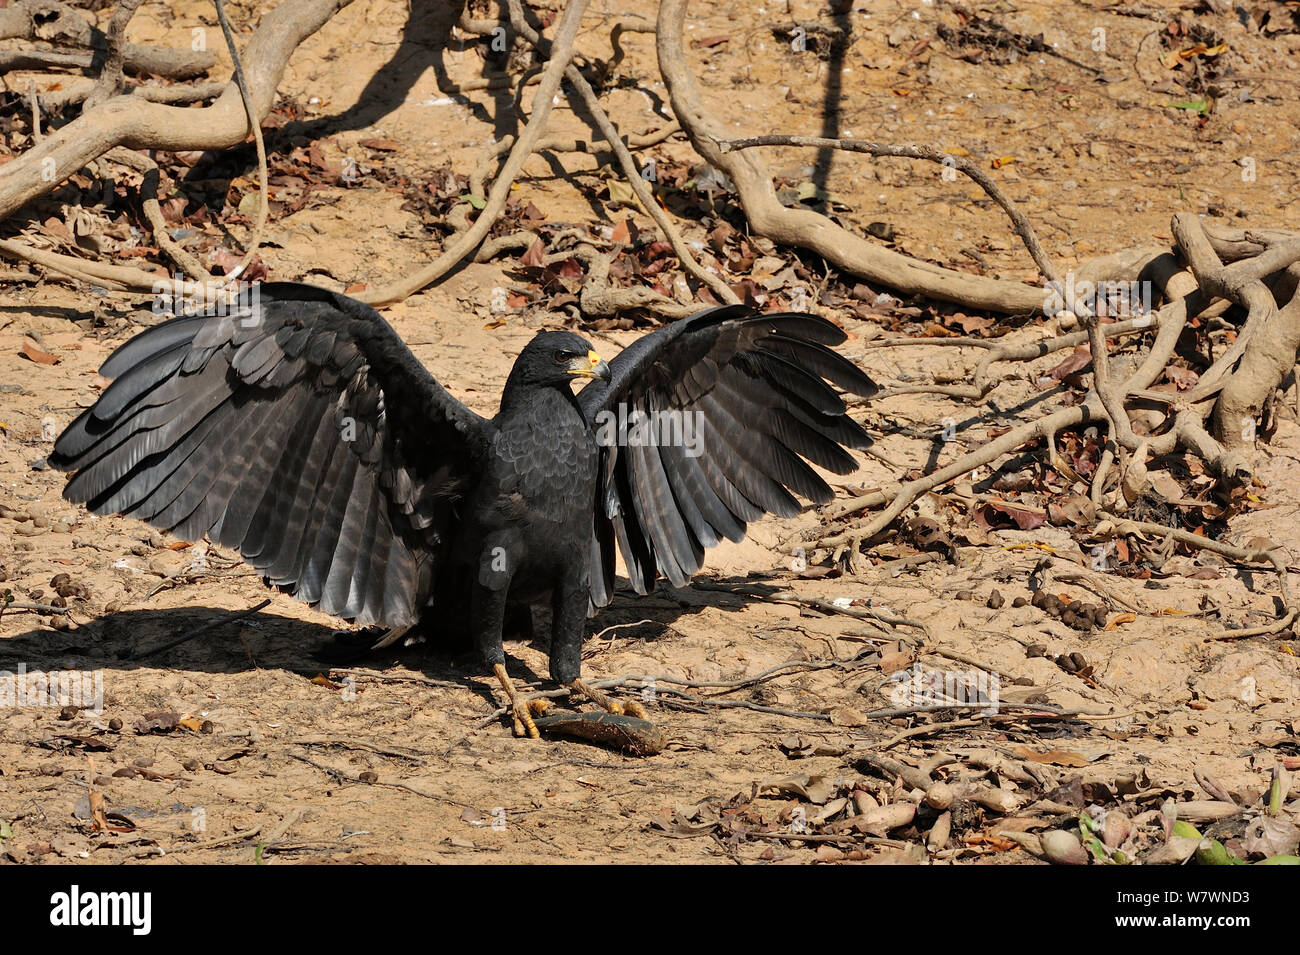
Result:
[{"x": 302, "y": 431}]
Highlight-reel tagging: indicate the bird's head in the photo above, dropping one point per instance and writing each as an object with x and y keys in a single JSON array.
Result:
[{"x": 554, "y": 358}]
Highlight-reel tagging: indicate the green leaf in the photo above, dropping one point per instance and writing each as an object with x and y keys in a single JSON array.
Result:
[
  {"x": 1213, "y": 852},
  {"x": 1280, "y": 860},
  {"x": 5, "y": 831},
  {"x": 1185, "y": 830},
  {"x": 475, "y": 201},
  {"x": 1094, "y": 845},
  {"x": 1193, "y": 106}
]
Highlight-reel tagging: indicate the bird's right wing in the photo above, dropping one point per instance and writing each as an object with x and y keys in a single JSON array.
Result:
[
  {"x": 731, "y": 403},
  {"x": 298, "y": 429}
]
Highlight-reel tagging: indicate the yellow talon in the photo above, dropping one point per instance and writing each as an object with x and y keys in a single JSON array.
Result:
[
  {"x": 523, "y": 708},
  {"x": 625, "y": 708},
  {"x": 634, "y": 708}
]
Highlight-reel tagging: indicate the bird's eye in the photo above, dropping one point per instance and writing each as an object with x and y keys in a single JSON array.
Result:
[{"x": 564, "y": 357}]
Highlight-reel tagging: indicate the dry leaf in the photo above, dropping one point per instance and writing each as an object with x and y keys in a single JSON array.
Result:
[
  {"x": 814, "y": 789},
  {"x": 1053, "y": 757},
  {"x": 535, "y": 256},
  {"x": 31, "y": 351}
]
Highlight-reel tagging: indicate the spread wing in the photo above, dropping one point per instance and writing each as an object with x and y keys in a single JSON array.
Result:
[
  {"x": 734, "y": 404},
  {"x": 299, "y": 429}
]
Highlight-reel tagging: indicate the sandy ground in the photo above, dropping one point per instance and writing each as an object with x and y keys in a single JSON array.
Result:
[{"x": 402, "y": 761}]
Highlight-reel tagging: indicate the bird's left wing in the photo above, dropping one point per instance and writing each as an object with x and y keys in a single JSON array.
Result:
[
  {"x": 297, "y": 428},
  {"x": 705, "y": 425}
]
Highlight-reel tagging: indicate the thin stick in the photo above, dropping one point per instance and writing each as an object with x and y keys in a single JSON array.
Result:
[
  {"x": 206, "y": 628},
  {"x": 254, "y": 124}
]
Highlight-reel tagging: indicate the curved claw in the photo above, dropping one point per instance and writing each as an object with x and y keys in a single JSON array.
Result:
[
  {"x": 524, "y": 709},
  {"x": 634, "y": 708},
  {"x": 624, "y": 708}
]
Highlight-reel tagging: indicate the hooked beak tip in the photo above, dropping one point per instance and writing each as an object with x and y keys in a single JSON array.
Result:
[{"x": 593, "y": 368}]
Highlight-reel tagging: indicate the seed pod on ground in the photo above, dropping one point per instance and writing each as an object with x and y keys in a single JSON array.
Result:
[
  {"x": 879, "y": 821},
  {"x": 938, "y": 835},
  {"x": 939, "y": 796},
  {"x": 999, "y": 800},
  {"x": 863, "y": 801},
  {"x": 1063, "y": 848}
]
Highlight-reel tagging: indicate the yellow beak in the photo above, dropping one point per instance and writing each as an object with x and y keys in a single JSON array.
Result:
[{"x": 590, "y": 367}]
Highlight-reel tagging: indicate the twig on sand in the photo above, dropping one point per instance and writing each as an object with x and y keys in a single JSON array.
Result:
[{"x": 206, "y": 628}]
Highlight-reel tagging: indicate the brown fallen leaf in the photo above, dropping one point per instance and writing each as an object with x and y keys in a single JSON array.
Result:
[
  {"x": 1053, "y": 757},
  {"x": 815, "y": 789},
  {"x": 535, "y": 256},
  {"x": 33, "y": 352},
  {"x": 996, "y": 843},
  {"x": 992, "y": 515},
  {"x": 1075, "y": 509},
  {"x": 625, "y": 232},
  {"x": 1078, "y": 360},
  {"x": 98, "y": 820}
]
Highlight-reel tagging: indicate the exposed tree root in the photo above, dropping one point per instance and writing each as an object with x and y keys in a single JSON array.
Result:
[
  {"x": 135, "y": 123},
  {"x": 55, "y": 22}
]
